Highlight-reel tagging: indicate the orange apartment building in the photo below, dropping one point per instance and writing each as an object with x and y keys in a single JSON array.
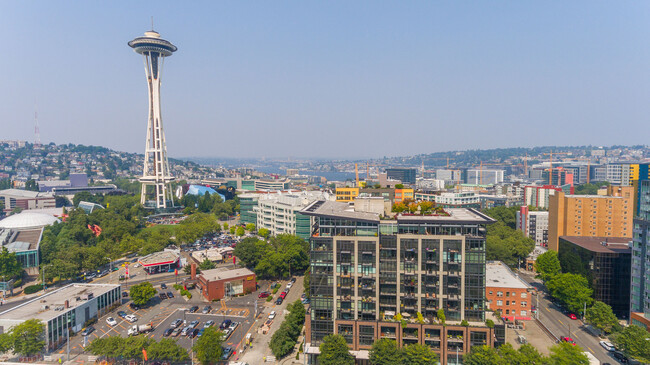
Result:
[
  {"x": 608, "y": 215},
  {"x": 506, "y": 292}
]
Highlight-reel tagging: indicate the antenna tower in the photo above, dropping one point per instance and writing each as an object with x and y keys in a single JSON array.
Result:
[{"x": 37, "y": 131}]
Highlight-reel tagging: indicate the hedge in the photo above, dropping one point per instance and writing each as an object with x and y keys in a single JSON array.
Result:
[{"x": 33, "y": 289}]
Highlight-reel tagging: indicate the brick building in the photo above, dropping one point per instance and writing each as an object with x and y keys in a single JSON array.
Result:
[
  {"x": 221, "y": 282},
  {"x": 506, "y": 292}
]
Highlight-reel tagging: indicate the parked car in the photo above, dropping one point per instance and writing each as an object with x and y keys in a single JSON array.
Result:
[
  {"x": 193, "y": 333},
  {"x": 227, "y": 352},
  {"x": 134, "y": 306},
  {"x": 620, "y": 357},
  {"x": 206, "y": 309},
  {"x": 162, "y": 296},
  {"x": 283, "y": 294},
  {"x": 305, "y": 301},
  {"x": 170, "y": 294},
  {"x": 278, "y": 301},
  {"x": 88, "y": 330},
  {"x": 289, "y": 285},
  {"x": 233, "y": 326},
  {"x": 607, "y": 345},
  {"x": 125, "y": 294},
  {"x": 131, "y": 318},
  {"x": 121, "y": 314},
  {"x": 186, "y": 330},
  {"x": 225, "y": 324},
  {"x": 194, "y": 309},
  {"x": 272, "y": 315},
  {"x": 573, "y": 316},
  {"x": 163, "y": 286},
  {"x": 177, "y": 331},
  {"x": 209, "y": 323},
  {"x": 263, "y": 294},
  {"x": 177, "y": 323},
  {"x": 168, "y": 332},
  {"x": 293, "y": 280},
  {"x": 193, "y": 324},
  {"x": 111, "y": 321},
  {"x": 201, "y": 332}
]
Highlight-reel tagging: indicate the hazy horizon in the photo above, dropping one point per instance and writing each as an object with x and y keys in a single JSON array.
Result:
[{"x": 338, "y": 80}]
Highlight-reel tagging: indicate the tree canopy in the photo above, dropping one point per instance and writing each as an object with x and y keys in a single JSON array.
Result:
[
  {"x": 208, "y": 346},
  {"x": 284, "y": 339},
  {"x": 196, "y": 226},
  {"x": 601, "y": 316},
  {"x": 334, "y": 351},
  {"x": 561, "y": 354},
  {"x": 507, "y": 244},
  {"x": 27, "y": 338},
  {"x": 131, "y": 348},
  {"x": 548, "y": 265},
  {"x": 142, "y": 293},
  {"x": 572, "y": 290},
  {"x": 279, "y": 257},
  {"x": 9, "y": 265},
  {"x": 633, "y": 341}
]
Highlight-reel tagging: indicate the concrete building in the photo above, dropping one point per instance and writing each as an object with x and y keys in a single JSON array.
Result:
[
  {"x": 404, "y": 194},
  {"x": 26, "y": 200},
  {"x": 219, "y": 283},
  {"x": 458, "y": 200},
  {"x": 558, "y": 176},
  {"x": 76, "y": 180},
  {"x": 405, "y": 175},
  {"x": 365, "y": 270},
  {"x": 67, "y": 308},
  {"x": 533, "y": 224},
  {"x": 280, "y": 212},
  {"x": 450, "y": 177},
  {"x": 605, "y": 262},
  {"x": 247, "y": 204},
  {"x": 22, "y": 233},
  {"x": 484, "y": 177},
  {"x": 506, "y": 292},
  {"x": 589, "y": 216},
  {"x": 346, "y": 194}
]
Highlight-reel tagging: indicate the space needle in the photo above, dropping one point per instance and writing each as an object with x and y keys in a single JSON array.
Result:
[{"x": 156, "y": 171}]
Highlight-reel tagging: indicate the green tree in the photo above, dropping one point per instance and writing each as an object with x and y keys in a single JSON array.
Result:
[
  {"x": 441, "y": 316},
  {"x": 196, "y": 226},
  {"x": 507, "y": 244},
  {"x": 548, "y": 265},
  {"x": 9, "y": 265},
  {"x": 263, "y": 232},
  {"x": 142, "y": 293},
  {"x": 570, "y": 289},
  {"x": 250, "y": 227},
  {"x": 207, "y": 265},
  {"x": 565, "y": 353},
  {"x": 633, "y": 341},
  {"x": 208, "y": 346},
  {"x": 334, "y": 351},
  {"x": 505, "y": 215},
  {"x": 525, "y": 355},
  {"x": 6, "y": 342},
  {"x": 28, "y": 337},
  {"x": 31, "y": 185},
  {"x": 602, "y": 317},
  {"x": 240, "y": 231},
  {"x": 417, "y": 354},
  {"x": 483, "y": 355},
  {"x": 385, "y": 352}
]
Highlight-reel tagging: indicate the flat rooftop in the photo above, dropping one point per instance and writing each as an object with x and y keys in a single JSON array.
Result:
[
  {"x": 456, "y": 215},
  {"x": 54, "y": 300},
  {"x": 225, "y": 274},
  {"x": 159, "y": 258},
  {"x": 601, "y": 244},
  {"x": 338, "y": 210},
  {"x": 499, "y": 275}
]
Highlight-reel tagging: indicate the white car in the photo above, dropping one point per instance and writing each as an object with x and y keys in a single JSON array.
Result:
[
  {"x": 607, "y": 345},
  {"x": 272, "y": 315},
  {"x": 111, "y": 321},
  {"x": 131, "y": 318},
  {"x": 136, "y": 266},
  {"x": 289, "y": 285}
]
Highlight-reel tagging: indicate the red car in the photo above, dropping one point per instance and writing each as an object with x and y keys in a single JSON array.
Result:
[
  {"x": 264, "y": 294},
  {"x": 283, "y": 294},
  {"x": 568, "y": 339},
  {"x": 572, "y": 316}
]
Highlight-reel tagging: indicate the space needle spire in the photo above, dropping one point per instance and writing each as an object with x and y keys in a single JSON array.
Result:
[{"x": 156, "y": 172}]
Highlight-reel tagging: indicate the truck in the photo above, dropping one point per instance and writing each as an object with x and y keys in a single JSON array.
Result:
[{"x": 138, "y": 329}]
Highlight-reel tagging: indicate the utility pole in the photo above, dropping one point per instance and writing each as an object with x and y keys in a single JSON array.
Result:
[
  {"x": 43, "y": 278},
  {"x": 584, "y": 312}
]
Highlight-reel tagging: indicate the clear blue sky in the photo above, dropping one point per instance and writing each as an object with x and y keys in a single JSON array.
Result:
[{"x": 330, "y": 79}]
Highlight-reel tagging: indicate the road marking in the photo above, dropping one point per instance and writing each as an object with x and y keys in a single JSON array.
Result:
[
  {"x": 560, "y": 322},
  {"x": 547, "y": 309},
  {"x": 589, "y": 348}
]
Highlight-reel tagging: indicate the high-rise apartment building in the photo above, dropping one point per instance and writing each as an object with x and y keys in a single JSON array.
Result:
[
  {"x": 533, "y": 224},
  {"x": 280, "y": 212},
  {"x": 365, "y": 271},
  {"x": 590, "y": 215},
  {"x": 640, "y": 276}
]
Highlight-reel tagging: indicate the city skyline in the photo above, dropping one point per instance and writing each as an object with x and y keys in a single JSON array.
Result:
[{"x": 256, "y": 81}]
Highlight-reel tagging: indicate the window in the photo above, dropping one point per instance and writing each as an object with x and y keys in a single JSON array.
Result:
[
  {"x": 507, "y": 302},
  {"x": 490, "y": 292},
  {"x": 499, "y": 302},
  {"x": 514, "y": 294},
  {"x": 507, "y": 294},
  {"x": 507, "y": 311},
  {"x": 523, "y": 313},
  {"x": 514, "y": 302},
  {"x": 514, "y": 312},
  {"x": 499, "y": 294},
  {"x": 523, "y": 304},
  {"x": 524, "y": 295}
]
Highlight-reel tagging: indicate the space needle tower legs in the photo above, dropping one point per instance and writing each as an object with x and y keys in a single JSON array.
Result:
[{"x": 156, "y": 170}]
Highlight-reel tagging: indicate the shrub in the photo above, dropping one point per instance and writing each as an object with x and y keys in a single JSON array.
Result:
[
  {"x": 269, "y": 298},
  {"x": 33, "y": 289},
  {"x": 18, "y": 282},
  {"x": 489, "y": 323},
  {"x": 464, "y": 323},
  {"x": 178, "y": 287},
  {"x": 275, "y": 290}
]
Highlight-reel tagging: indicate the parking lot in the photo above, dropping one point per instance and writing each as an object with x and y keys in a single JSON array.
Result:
[{"x": 160, "y": 313}]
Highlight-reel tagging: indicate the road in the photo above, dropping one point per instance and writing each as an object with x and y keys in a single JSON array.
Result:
[{"x": 561, "y": 325}]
